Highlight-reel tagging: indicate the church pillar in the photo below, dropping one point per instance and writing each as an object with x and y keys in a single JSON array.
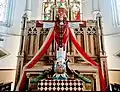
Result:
[
  {"x": 21, "y": 52},
  {"x": 102, "y": 55},
  {"x": 39, "y": 9},
  {"x": 87, "y": 9},
  {"x": 22, "y": 40},
  {"x": 95, "y": 8},
  {"x": 99, "y": 27},
  {"x": 28, "y": 8}
]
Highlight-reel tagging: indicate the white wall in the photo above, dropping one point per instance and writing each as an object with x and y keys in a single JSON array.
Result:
[
  {"x": 112, "y": 43},
  {"x": 114, "y": 76},
  {"x": 11, "y": 43}
]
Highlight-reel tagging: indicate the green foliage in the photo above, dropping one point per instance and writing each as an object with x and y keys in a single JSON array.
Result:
[
  {"x": 35, "y": 80},
  {"x": 86, "y": 80}
]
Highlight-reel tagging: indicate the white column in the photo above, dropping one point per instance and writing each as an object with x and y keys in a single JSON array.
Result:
[
  {"x": 95, "y": 5},
  {"x": 39, "y": 9},
  {"x": 87, "y": 9},
  {"x": 95, "y": 8},
  {"x": 28, "y": 8}
]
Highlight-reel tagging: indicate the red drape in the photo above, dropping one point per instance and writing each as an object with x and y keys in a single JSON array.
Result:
[
  {"x": 85, "y": 56},
  {"x": 30, "y": 64},
  {"x": 36, "y": 59}
]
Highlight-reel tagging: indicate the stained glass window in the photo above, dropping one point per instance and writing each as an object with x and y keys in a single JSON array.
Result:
[
  {"x": 6, "y": 12},
  {"x": 3, "y": 7},
  {"x": 118, "y": 8},
  {"x": 116, "y": 12}
]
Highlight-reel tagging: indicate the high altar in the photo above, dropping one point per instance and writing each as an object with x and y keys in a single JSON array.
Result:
[{"x": 85, "y": 62}]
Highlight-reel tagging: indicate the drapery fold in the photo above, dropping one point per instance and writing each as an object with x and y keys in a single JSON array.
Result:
[
  {"x": 34, "y": 60},
  {"x": 89, "y": 59}
]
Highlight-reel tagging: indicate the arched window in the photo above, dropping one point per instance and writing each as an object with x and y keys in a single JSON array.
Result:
[
  {"x": 6, "y": 12},
  {"x": 116, "y": 12},
  {"x": 118, "y": 8}
]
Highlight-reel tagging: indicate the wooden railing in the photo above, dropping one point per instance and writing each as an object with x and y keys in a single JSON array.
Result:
[{"x": 5, "y": 86}]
